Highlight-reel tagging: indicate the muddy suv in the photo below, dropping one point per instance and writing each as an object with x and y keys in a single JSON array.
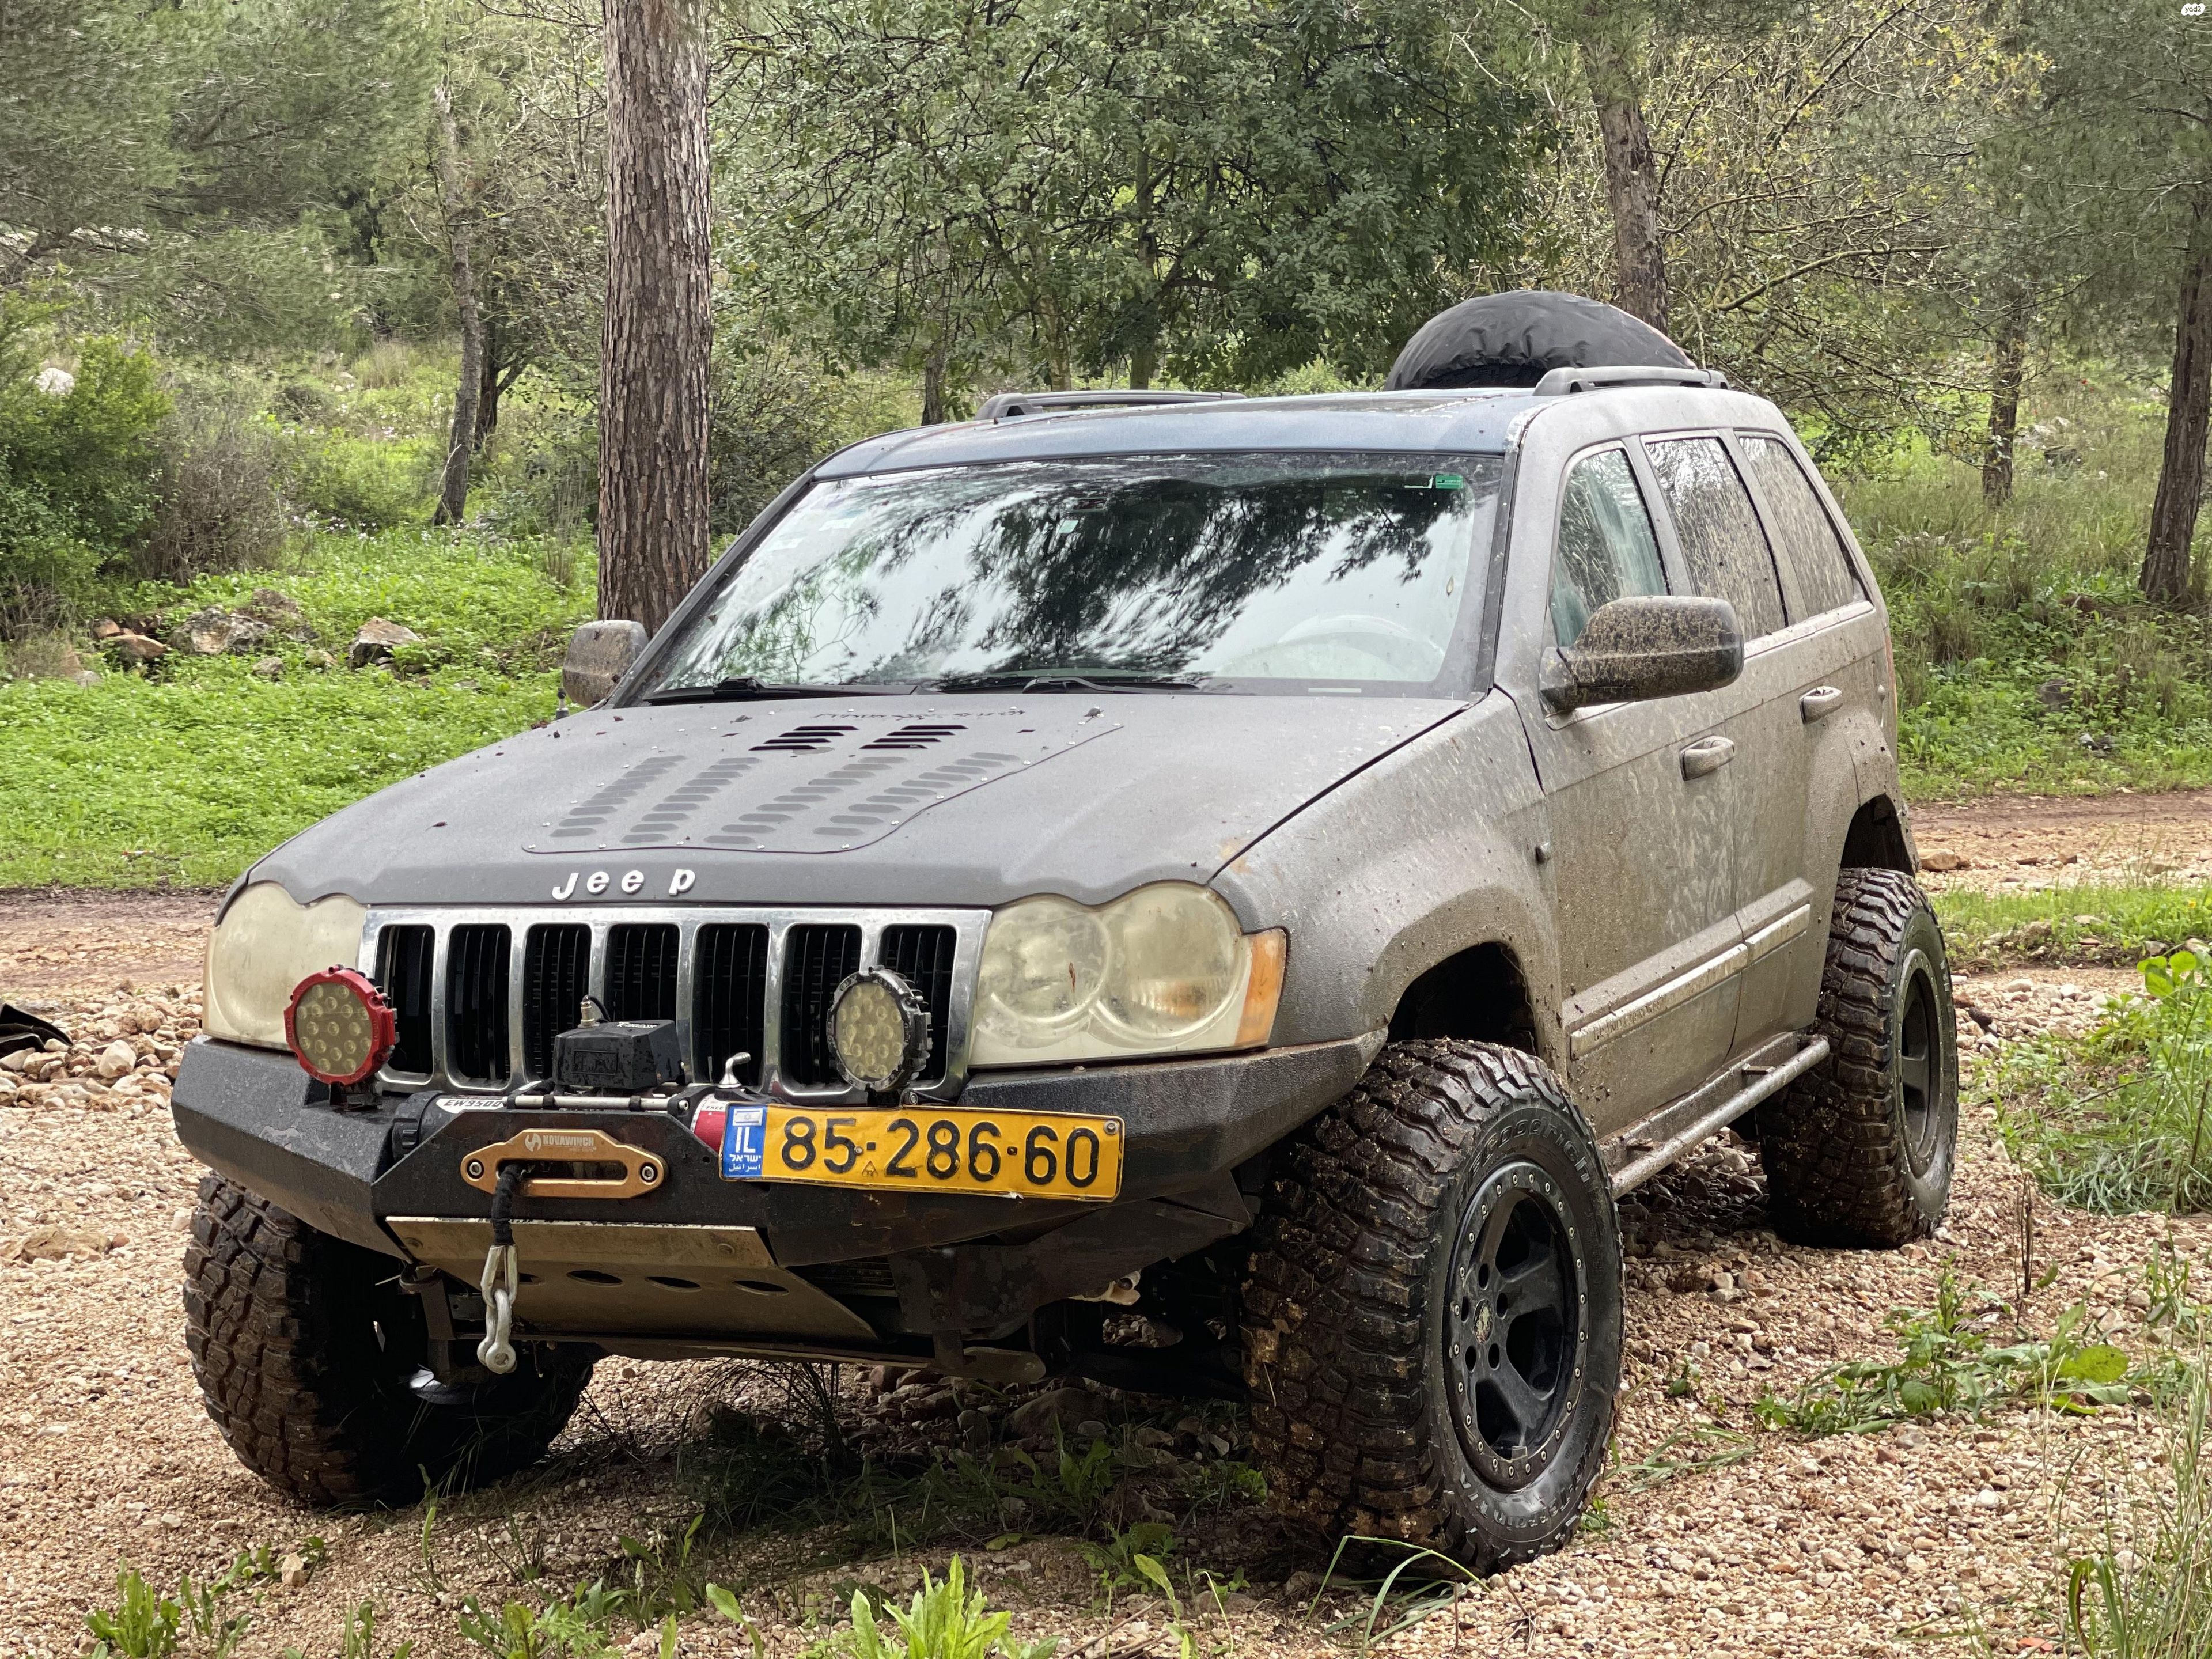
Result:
[{"x": 1208, "y": 895}]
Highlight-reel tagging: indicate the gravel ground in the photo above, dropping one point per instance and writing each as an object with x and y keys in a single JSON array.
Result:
[
  {"x": 1859, "y": 1545},
  {"x": 2029, "y": 842}
]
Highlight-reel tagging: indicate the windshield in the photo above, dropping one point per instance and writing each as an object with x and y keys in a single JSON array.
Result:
[{"x": 1287, "y": 571}]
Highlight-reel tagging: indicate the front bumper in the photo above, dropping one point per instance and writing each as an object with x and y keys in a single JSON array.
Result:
[{"x": 252, "y": 1115}]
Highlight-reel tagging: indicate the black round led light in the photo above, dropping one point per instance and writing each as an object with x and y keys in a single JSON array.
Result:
[{"x": 879, "y": 1030}]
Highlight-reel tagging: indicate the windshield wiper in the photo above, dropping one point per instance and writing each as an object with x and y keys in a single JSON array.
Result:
[
  {"x": 1057, "y": 680},
  {"x": 750, "y": 686}
]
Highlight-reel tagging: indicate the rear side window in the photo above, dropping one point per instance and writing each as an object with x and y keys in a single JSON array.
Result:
[
  {"x": 1810, "y": 545},
  {"x": 1607, "y": 549},
  {"x": 1725, "y": 549}
]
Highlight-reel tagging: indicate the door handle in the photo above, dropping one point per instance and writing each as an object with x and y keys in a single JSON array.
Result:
[
  {"x": 1706, "y": 754},
  {"x": 1819, "y": 702}
]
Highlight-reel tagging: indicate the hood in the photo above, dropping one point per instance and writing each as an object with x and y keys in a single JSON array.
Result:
[{"x": 937, "y": 800}]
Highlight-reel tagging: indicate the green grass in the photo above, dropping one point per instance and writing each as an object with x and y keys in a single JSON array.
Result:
[
  {"x": 2087, "y": 925},
  {"x": 188, "y": 776},
  {"x": 2120, "y": 1120}
]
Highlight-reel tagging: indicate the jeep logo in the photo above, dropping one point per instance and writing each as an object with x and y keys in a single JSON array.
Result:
[{"x": 630, "y": 882}]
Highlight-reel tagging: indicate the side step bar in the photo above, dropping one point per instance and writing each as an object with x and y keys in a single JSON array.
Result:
[{"x": 1690, "y": 1120}]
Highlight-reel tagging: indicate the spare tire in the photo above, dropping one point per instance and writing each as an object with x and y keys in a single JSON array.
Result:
[{"x": 1515, "y": 339}]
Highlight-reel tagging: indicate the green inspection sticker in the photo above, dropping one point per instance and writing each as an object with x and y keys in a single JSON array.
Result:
[{"x": 1447, "y": 481}]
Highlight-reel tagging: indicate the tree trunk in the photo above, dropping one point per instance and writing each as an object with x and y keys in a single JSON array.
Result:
[
  {"x": 453, "y": 487},
  {"x": 659, "y": 326},
  {"x": 1632, "y": 178},
  {"x": 933, "y": 387},
  {"x": 1144, "y": 360},
  {"x": 2188, "y": 403},
  {"x": 494, "y": 380},
  {"x": 2004, "y": 402}
]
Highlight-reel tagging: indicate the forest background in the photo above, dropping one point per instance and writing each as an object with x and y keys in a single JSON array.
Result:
[{"x": 301, "y": 306}]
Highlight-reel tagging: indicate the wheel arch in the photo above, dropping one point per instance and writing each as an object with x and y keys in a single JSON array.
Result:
[
  {"x": 1878, "y": 839},
  {"x": 1481, "y": 994}
]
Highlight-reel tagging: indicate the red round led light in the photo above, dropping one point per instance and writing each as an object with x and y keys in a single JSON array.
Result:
[{"x": 338, "y": 1026}]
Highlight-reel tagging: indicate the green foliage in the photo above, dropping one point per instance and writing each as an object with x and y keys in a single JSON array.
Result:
[
  {"x": 1222, "y": 190},
  {"x": 2025, "y": 658},
  {"x": 943, "y": 1621},
  {"x": 1119, "y": 1561},
  {"x": 1948, "y": 1365},
  {"x": 577, "y": 1626},
  {"x": 189, "y": 776},
  {"x": 2155, "y": 1600},
  {"x": 1687, "y": 1451},
  {"x": 196, "y": 1622},
  {"x": 2118, "y": 1120},
  {"x": 360, "y": 484},
  {"x": 359, "y": 1638},
  {"x": 2117, "y": 925}
]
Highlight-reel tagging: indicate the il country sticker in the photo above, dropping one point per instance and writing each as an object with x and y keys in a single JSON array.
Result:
[{"x": 745, "y": 1142}]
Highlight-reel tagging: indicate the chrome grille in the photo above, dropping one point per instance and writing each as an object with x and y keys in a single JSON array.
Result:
[{"x": 483, "y": 993}]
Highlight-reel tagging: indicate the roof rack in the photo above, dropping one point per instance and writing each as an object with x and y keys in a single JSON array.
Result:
[
  {"x": 1558, "y": 382},
  {"x": 1006, "y": 405}
]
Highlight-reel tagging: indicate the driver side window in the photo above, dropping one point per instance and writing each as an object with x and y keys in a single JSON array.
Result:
[{"x": 1607, "y": 549}]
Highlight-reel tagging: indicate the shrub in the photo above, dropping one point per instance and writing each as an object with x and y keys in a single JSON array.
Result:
[
  {"x": 360, "y": 482},
  {"x": 215, "y": 482}
]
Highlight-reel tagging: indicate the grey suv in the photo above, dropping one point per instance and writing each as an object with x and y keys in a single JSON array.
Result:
[{"x": 1207, "y": 894}]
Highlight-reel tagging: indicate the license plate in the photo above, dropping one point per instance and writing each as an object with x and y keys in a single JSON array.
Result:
[{"x": 919, "y": 1149}]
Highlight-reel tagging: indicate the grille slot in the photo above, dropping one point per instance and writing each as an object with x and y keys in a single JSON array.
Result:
[
  {"x": 476, "y": 1004},
  {"x": 816, "y": 959},
  {"x": 556, "y": 967},
  {"x": 729, "y": 999},
  {"x": 641, "y": 972},
  {"x": 923, "y": 957},
  {"x": 403, "y": 974}
]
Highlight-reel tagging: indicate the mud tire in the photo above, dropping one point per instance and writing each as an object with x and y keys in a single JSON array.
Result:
[
  {"x": 1355, "y": 1311},
  {"x": 1857, "y": 1152},
  {"x": 306, "y": 1355}
]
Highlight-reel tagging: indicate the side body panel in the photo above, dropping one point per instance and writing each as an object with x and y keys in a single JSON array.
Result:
[{"x": 1430, "y": 851}]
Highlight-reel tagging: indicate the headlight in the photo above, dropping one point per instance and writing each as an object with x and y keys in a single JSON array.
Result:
[
  {"x": 265, "y": 945},
  {"x": 1164, "y": 969}
]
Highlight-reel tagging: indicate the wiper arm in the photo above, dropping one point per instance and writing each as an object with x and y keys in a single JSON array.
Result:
[
  {"x": 1069, "y": 682},
  {"x": 743, "y": 688}
]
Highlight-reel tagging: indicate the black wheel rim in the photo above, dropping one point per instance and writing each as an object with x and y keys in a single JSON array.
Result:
[
  {"x": 1513, "y": 1327},
  {"x": 1918, "y": 1061}
]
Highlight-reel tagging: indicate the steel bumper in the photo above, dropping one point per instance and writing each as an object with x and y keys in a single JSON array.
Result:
[{"x": 252, "y": 1115}]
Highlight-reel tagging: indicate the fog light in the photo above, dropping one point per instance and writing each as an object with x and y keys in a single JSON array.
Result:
[
  {"x": 879, "y": 1030},
  {"x": 339, "y": 1025}
]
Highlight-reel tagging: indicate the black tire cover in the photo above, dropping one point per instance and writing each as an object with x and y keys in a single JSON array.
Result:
[{"x": 1512, "y": 339}]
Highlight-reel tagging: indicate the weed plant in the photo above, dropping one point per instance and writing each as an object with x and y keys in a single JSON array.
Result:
[
  {"x": 2117, "y": 1120},
  {"x": 1949, "y": 1366},
  {"x": 2111, "y": 926}
]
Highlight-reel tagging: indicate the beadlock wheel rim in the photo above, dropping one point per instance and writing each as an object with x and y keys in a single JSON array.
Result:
[
  {"x": 1514, "y": 1326},
  {"x": 1917, "y": 1062}
]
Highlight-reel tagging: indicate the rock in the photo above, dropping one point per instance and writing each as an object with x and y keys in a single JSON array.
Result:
[
  {"x": 56, "y": 1243},
  {"x": 1090, "y": 1428},
  {"x": 105, "y": 628},
  {"x": 974, "y": 1432},
  {"x": 1942, "y": 858},
  {"x": 116, "y": 1060},
  {"x": 268, "y": 668},
  {"x": 55, "y": 382},
  {"x": 270, "y": 606},
  {"x": 319, "y": 659},
  {"x": 2054, "y": 694},
  {"x": 292, "y": 1571},
  {"x": 136, "y": 647},
  {"x": 377, "y": 641},
  {"x": 1300, "y": 1586},
  {"x": 1057, "y": 1408},
  {"x": 215, "y": 632}
]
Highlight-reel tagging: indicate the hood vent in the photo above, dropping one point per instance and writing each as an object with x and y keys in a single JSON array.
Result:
[
  {"x": 912, "y": 736},
  {"x": 804, "y": 739}
]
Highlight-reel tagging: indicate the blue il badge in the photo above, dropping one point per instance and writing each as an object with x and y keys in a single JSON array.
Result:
[{"x": 745, "y": 1142}]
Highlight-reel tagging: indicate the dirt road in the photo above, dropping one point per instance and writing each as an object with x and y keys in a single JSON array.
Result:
[{"x": 1858, "y": 1545}]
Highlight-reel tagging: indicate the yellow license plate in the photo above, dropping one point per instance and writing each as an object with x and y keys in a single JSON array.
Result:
[{"x": 924, "y": 1149}]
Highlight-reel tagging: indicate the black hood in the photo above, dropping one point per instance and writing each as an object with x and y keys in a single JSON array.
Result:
[{"x": 924, "y": 800}]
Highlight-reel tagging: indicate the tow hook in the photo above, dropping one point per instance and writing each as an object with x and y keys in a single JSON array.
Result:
[{"x": 502, "y": 1275}]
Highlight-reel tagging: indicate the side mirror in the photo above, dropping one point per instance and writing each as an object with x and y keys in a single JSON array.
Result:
[
  {"x": 1635, "y": 649},
  {"x": 599, "y": 655}
]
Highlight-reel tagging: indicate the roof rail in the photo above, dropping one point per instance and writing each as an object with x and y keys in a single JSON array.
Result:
[
  {"x": 1005, "y": 406},
  {"x": 1558, "y": 382}
]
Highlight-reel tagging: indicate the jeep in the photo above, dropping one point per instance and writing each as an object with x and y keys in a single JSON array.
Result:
[{"x": 1205, "y": 894}]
